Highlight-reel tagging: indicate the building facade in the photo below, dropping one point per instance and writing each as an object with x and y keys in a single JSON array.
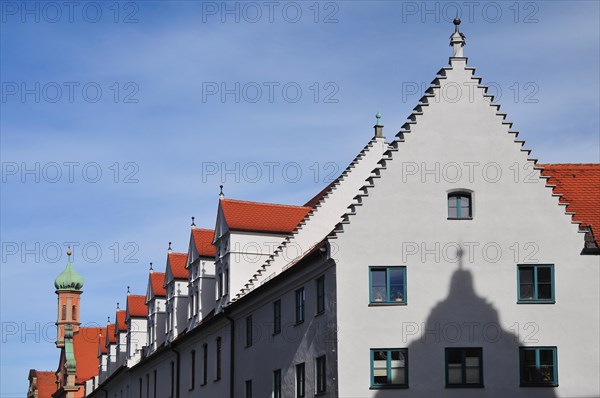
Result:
[{"x": 441, "y": 262}]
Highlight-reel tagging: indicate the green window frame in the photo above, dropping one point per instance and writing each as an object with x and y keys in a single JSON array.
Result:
[
  {"x": 277, "y": 383},
  {"x": 300, "y": 299},
  {"x": 387, "y": 285},
  {"x": 300, "y": 380},
  {"x": 320, "y": 294},
  {"x": 460, "y": 205},
  {"x": 535, "y": 283},
  {"x": 321, "y": 375},
  {"x": 389, "y": 368},
  {"x": 538, "y": 366},
  {"x": 464, "y": 367},
  {"x": 277, "y": 317}
]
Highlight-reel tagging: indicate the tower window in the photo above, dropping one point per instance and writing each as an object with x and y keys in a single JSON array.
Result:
[
  {"x": 63, "y": 315},
  {"x": 460, "y": 205},
  {"x": 74, "y": 312}
]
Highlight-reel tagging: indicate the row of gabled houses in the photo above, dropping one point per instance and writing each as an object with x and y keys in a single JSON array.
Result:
[{"x": 394, "y": 277}]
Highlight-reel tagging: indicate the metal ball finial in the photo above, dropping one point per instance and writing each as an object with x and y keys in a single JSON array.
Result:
[
  {"x": 69, "y": 250},
  {"x": 456, "y": 21}
]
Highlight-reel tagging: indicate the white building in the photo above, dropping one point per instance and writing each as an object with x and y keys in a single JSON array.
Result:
[{"x": 443, "y": 262}]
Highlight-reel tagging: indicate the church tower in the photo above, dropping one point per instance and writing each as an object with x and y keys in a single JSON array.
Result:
[{"x": 68, "y": 286}]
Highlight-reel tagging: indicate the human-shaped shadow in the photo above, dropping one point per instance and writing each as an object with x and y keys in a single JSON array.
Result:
[{"x": 463, "y": 320}]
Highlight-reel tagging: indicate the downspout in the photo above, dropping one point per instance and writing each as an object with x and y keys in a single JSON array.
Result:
[
  {"x": 231, "y": 354},
  {"x": 178, "y": 373}
]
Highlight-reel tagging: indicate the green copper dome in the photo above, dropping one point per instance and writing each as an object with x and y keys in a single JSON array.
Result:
[{"x": 68, "y": 279}]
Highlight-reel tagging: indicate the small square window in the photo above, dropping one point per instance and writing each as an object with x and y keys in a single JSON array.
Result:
[
  {"x": 464, "y": 367},
  {"x": 389, "y": 368},
  {"x": 460, "y": 205},
  {"x": 539, "y": 366},
  {"x": 388, "y": 285},
  {"x": 536, "y": 283}
]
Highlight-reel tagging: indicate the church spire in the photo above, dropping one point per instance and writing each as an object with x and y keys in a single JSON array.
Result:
[
  {"x": 68, "y": 286},
  {"x": 457, "y": 40}
]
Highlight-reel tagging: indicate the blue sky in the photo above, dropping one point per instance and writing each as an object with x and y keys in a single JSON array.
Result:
[{"x": 163, "y": 138}]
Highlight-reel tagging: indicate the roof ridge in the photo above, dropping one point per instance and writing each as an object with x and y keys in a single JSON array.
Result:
[
  {"x": 569, "y": 164},
  {"x": 264, "y": 203}
]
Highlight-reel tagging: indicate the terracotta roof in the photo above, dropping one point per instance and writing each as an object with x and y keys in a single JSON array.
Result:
[
  {"x": 203, "y": 241},
  {"x": 110, "y": 332},
  {"x": 136, "y": 306},
  {"x": 46, "y": 384},
  {"x": 177, "y": 262},
  {"x": 580, "y": 186},
  {"x": 85, "y": 347},
  {"x": 157, "y": 281},
  {"x": 121, "y": 325},
  {"x": 262, "y": 217},
  {"x": 102, "y": 341}
]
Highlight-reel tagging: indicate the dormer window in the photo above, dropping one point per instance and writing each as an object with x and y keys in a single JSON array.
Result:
[{"x": 460, "y": 205}]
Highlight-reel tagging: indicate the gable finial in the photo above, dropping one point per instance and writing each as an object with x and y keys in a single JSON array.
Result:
[
  {"x": 69, "y": 252},
  {"x": 457, "y": 40},
  {"x": 128, "y": 292},
  {"x": 193, "y": 222},
  {"x": 117, "y": 305},
  {"x": 108, "y": 319},
  {"x": 378, "y": 126},
  {"x": 221, "y": 194},
  {"x": 169, "y": 250},
  {"x": 151, "y": 269}
]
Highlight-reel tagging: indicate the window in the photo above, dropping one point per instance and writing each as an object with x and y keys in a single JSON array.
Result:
[
  {"x": 248, "y": 331},
  {"x": 248, "y": 385},
  {"x": 154, "y": 386},
  {"x": 388, "y": 285},
  {"x": 226, "y": 281},
  {"x": 536, "y": 283},
  {"x": 277, "y": 317},
  {"x": 300, "y": 305},
  {"x": 538, "y": 366},
  {"x": 172, "y": 389},
  {"x": 140, "y": 386},
  {"x": 277, "y": 383},
  {"x": 64, "y": 313},
  {"x": 464, "y": 367},
  {"x": 460, "y": 205},
  {"x": 74, "y": 312},
  {"x": 204, "y": 363},
  {"x": 220, "y": 286},
  {"x": 300, "y": 380},
  {"x": 147, "y": 385},
  {"x": 218, "y": 372},
  {"x": 321, "y": 294},
  {"x": 321, "y": 374},
  {"x": 193, "y": 369},
  {"x": 389, "y": 368}
]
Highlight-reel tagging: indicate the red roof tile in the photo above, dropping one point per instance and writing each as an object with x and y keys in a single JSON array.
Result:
[
  {"x": 157, "y": 281},
  {"x": 136, "y": 306},
  {"x": 85, "y": 347},
  {"x": 110, "y": 332},
  {"x": 102, "y": 341},
  {"x": 203, "y": 239},
  {"x": 262, "y": 217},
  {"x": 46, "y": 384},
  {"x": 177, "y": 262},
  {"x": 121, "y": 325},
  {"x": 580, "y": 186}
]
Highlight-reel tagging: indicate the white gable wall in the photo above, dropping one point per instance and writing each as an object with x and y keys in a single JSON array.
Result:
[{"x": 406, "y": 210}]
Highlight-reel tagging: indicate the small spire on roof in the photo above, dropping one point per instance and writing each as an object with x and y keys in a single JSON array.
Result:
[
  {"x": 221, "y": 194},
  {"x": 457, "y": 40},
  {"x": 108, "y": 319},
  {"x": 193, "y": 222},
  {"x": 69, "y": 252},
  {"x": 151, "y": 269},
  {"x": 378, "y": 126},
  {"x": 117, "y": 305},
  {"x": 169, "y": 250},
  {"x": 128, "y": 292}
]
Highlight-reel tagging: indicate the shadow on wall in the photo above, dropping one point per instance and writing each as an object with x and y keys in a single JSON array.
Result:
[{"x": 464, "y": 322}]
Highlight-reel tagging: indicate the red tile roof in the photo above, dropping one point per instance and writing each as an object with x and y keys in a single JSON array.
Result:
[
  {"x": 136, "y": 306},
  {"x": 157, "y": 281},
  {"x": 580, "y": 186},
  {"x": 46, "y": 384},
  {"x": 262, "y": 217},
  {"x": 203, "y": 239},
  {"x": 85, "y": 347},
  {"x": 177, "y": 262},
  {"x": 110, "y": 332},
  {"x": 121, "y": 325},
  {"x": 102, "y": 341}
]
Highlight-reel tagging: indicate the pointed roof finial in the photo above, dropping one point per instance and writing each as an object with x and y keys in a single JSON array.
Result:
[
  {"x": 169, "y": 249},
  {"x": 151, "y": 269},
  {"x": 69, "y": 252},
  {"x": 117, "y": 305},
  {"x": 457, "y": 40},
  {"x": 221, "y": 194},
  {"x": 378, "y": 126},
  {"x": 193, "y": 222},
  {"x": 108, "y": 319},
  {"x": 128, "y": 292}
]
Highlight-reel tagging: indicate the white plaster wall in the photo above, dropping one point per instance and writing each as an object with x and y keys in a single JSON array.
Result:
[{"x": 405, "y": 209}]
